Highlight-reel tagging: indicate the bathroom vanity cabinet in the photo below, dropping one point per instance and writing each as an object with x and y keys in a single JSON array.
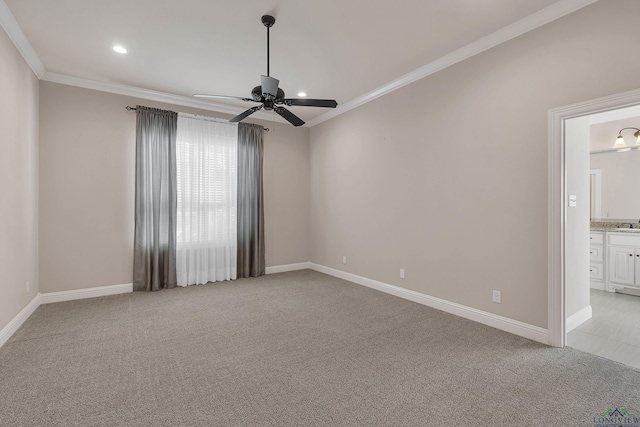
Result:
[
  {"x": 596, "y": 257},
  {"x": 623, "y": 260},
  {"x": 614, "y": 259}
]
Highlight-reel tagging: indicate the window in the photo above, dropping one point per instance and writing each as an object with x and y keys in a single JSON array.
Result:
[{"x": 206, "y": 174}]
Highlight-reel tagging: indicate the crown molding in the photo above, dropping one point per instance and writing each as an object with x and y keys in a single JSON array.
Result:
[
  {"x": 13, "y": 30},
  {"x": 152, "y": 95},
  {"x": 531, "y": 22}
]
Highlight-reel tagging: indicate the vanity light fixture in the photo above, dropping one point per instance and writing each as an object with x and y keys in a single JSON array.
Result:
[{"x": 620, "y": 139}]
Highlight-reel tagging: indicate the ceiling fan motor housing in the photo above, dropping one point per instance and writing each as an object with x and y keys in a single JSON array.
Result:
[{"x": 257, "y": 96}]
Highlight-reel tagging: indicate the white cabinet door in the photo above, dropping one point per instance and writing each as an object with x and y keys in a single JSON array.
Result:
[{"x": 621, "y": 265}]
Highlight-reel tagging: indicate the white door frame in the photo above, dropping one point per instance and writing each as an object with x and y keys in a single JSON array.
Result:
[
  {"x": 595, "y": 190},
  {"x": 557, "y": 181}
]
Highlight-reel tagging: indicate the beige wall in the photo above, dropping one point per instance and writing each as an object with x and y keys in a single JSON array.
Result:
[
  {"x": 447, "y": 177},
  {"x": 18, "y": 181},
  {"x": 286, "y": 194},
  {"x": 87, "y": 148}
]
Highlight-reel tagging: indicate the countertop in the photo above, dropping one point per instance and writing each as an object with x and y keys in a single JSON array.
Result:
[
  {"x": 614, "y": 226},
  {"x": 614, "y": 230}
]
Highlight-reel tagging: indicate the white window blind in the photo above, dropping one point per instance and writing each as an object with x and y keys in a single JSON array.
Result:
[{"x": 206, "y": 162}]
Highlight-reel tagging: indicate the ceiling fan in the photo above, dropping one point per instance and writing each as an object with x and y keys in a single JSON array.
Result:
[{"x": 270, "y": 96}]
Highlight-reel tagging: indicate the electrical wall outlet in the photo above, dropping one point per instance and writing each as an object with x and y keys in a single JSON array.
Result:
[
  {"x": 28, "y": 287},
  {"x": 497, "y": 297},
  {"x": 402, "y": 273},
  {"x": 344, "y": 259}
]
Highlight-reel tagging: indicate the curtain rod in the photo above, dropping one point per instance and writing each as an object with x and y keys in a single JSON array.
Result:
[{"x": 130, "y": 108}]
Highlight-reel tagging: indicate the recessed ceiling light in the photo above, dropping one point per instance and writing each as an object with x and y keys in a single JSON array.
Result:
[
  {"x": 302, "y": 94},
  {"x": 120, "y": 49}
]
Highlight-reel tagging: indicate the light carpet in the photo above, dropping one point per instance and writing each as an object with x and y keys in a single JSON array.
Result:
[{"x": 299, "y": 348}]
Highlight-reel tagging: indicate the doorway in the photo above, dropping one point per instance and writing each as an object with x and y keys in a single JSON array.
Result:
[{"x": 561, "y": 253}]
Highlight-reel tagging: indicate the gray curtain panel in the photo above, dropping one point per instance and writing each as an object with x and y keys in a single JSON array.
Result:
[
  {"x": 154, "y": 262},
  {"x": 251, "y": 259}
]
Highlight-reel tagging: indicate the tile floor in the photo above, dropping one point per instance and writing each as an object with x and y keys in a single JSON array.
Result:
[{"x": 614, "y": 330}]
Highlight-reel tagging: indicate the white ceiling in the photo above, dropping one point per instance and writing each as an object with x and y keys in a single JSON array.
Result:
[{"x": 330, "y": 49}]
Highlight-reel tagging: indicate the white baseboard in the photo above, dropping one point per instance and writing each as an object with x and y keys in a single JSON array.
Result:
[
  {"x": 598, "y": 286},
  {"x": 578, "y": 319},
  {"x": 51, "y": 297},
  {"x": 525, "y": 330},
  {"x": 509, "y": 325},
  {"x": 288, "y": 267},
  {"x": 18, "y": 320},
  {"x": 100, "y": 291}
]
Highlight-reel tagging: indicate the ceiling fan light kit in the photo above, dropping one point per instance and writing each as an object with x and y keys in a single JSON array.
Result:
[{"x": 270, "y": 96}]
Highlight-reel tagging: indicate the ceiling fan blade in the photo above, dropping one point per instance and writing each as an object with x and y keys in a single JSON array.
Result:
[
  {"x": 204, "y": 95},
  {"x": 244, "y": 115},
  {"x": 303, "y": 102},
  {"x": 269, "y": 86},
  {"x": 289, "y": 116}
]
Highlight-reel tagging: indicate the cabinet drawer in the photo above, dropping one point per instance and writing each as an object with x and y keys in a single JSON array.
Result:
[
  {"x": 595, "y": 253},
  {"x": 595, "y": 271},
  {"x": 623, "y": 239},
  {"x": 596, "y": 238}
]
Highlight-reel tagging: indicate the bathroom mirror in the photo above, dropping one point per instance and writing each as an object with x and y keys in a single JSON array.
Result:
[
  {"x": 615, "y": 174},
  {"x": 614, "y": 194}
]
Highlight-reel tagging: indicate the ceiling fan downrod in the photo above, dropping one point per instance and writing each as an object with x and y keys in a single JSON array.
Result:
[
  {"x": 269, "y": 94},
  {"x": 268, "y": 21}
]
